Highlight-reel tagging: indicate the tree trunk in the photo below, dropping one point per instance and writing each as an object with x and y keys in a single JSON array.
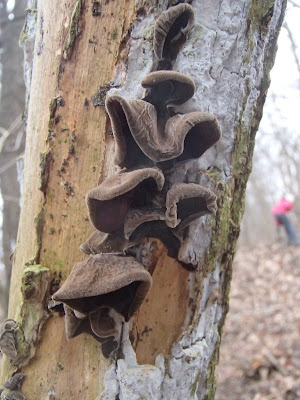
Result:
[
  {"x": 11, "y": 136},
  {"x": 82, "y": 50}
]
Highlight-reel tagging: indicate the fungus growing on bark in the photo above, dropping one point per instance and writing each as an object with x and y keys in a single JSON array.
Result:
[
  {"x": 183, "y": 136},
  {"x": 12, "y": 388},
  {"x": 170, "y": 34},
  {"x": 129, "y": 119},
  {"x": 74, "y": 326},
  {"x": 150, "y": 222},
  {"x": 109, "y": 202},
  {"x": 101, "y": 323},
  {"x": 186, "y": 202},
  {"x": 15, "y": 382},
  {"x": 7, "y": 338},
  {"x": 102, "y": 280},
  {"x": 104, "y": 326},
  {"x": 109, "y": 243},
  {"x": 192, "y": 134},
  {"x": 136, "y": 217},
  {"x": 167, "y": 88}
]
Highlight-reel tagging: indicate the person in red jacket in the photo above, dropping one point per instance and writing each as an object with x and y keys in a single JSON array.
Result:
[{"x": 279, "y": 211}]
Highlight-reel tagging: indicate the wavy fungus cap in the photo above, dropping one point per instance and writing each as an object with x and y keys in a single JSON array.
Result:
[
  {"x": 7, "y": 338},
  {"x": 184, "y": 136},
  {"x": 150, "y": 222},
  {"x": 186, "y": 202},
  {"x": 112, "y": 281},
  {"x": 168, "y": 88},
  {"x": 109, "y": 202},
  {"x": 170, "y": 34},
  {"x": 193, "y": 133},
  {"x": 129, "y": 118},
  {"x": 137, "y": 217}
]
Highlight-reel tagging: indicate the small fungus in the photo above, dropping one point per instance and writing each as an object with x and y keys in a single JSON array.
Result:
[
  {"x": 108, "y": 243},
  {"x": 73, "y": 325},
  {"x": 101, "y": 323},
  {"x": 8, "y": 394},
  {"x": 167, "y": 88},
  {"x": 101, "y": 280},
  {"x": 109, "y": 202},
  {"x": 149, "y": 222},
  {"x": 15, "y": 382},
  {"x": 136, "y": 217},
  {"x": 186, "y": 202},
  {"x": 170, "y": 34},
  {"x": 7, "y": 338},
  {"x": 12, "y": 388}
]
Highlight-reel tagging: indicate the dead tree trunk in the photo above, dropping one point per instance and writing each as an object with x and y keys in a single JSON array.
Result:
[{"x": 84, "y": 49}]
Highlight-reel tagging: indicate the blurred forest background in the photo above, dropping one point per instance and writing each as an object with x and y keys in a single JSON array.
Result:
[{"x": 260, "y": 354}]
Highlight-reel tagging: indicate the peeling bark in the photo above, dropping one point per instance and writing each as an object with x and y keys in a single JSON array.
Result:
[{"x": 171, "y": 345}]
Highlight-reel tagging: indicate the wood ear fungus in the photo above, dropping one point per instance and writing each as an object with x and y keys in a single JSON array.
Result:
[
  {"x": 108, "y": 243},
  {"x": 12, "y": 388},
  {"x": 167, "y": 88},
  {"x": 115, "y": 282},
  {"x": 186, "y": 202},
  {"x": 129, "y": 120},
  {"x": 109, "y": 203},
  {"x": 170, "y": 34},
  {"x": 181, "y": 137},
  {"x": 7, "y": 338}
]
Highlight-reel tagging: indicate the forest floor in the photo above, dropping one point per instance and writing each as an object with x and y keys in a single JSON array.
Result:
[{"x": 260, "y": 351}]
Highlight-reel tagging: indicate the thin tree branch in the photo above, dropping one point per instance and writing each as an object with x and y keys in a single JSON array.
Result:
[{"x": 294, "y": 48}]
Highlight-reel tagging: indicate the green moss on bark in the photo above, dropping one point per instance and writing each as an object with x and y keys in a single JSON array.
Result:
[{"x": 74, "y": 30}]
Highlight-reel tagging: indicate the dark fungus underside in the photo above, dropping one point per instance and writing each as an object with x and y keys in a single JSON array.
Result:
[
  {"x": 109, "y": 215},
  {"x": 120, "y": 300},
  {"x": 133, "y": 155},
  {"x": 199, "y": 139},
  {"x": 174, "y": 35}
]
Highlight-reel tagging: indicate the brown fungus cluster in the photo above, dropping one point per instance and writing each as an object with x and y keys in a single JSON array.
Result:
[{"x": 137, "y": 202}]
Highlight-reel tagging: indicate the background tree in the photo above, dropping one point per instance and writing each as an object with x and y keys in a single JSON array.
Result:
[
  {"x": 276, "y": 159},
  {"x": 82, "y": 50},
  {"x": 11, "y": 133}
]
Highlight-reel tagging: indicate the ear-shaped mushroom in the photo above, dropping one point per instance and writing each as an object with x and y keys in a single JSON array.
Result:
[
  {"x": 150, "y": 222},
  {"x": 170, "y": 34},
  {"x": 193, "y": 134},
  {"x": 99, "y": 242},
  {"x": 15, "y": 382},
  {"x": 184, "y": 136},
  {"x": 186, "y": 202},
  {"x": 136, "y": 217},
  {"x": 128, "y": 119},
  {"x": 101, "y": 323},
  {"x": 116, "y": 282},
  {"x": 167, "y": 88},
  {"x": 7, "y": 338},
  {"x": 74, "y": 326},
  {"x": 109, "y": 202},
  {"x": 108, "y": 243},
  {"x": 98, "y": 323}
]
